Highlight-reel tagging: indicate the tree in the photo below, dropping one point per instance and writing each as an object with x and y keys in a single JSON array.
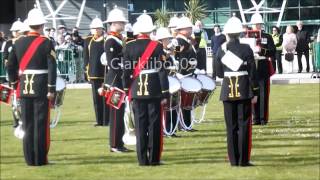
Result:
[
  {"x": 196, "y": 10},
  {"x": 162, "y": 18}
]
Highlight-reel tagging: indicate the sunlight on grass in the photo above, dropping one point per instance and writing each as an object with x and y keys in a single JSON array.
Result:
[{"x": 287, "y": 148}]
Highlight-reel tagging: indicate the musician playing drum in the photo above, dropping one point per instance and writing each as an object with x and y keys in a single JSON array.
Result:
[
  {"x": 148, "y": 90},
  {"x": 32, "y": 63},
  {"x": 113, "y": 50},
  {"x": 164, "y": 37},
  {"x": 186, "y": 55},
  {"x": 235, "y": 64}
]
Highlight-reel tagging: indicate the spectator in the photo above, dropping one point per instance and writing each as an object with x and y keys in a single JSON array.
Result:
[
  {"x": 2, "y": 40},
  {"x": 216, "y": 41},
  {"x": 202, "y": 48},
  {"x": 289, "y": 43},
  {"x": 277, "y": 39},
  {"x": 62, "y": 29},
  {"x": 302, "y": 46},
  {"x": 76, "y": 38}
]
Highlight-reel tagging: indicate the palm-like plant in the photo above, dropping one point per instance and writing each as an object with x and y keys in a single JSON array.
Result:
[
  {"x": 162, "y": 18},
  {"x": 196, "y": 10}
]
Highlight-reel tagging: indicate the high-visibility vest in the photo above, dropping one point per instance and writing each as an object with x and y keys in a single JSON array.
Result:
[{"x": 276, "y": 40}]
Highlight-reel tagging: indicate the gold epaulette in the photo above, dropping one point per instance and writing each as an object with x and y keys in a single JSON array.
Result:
[{"x": 133, "y": 40}]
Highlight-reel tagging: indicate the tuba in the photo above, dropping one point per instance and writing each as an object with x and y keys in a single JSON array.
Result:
[{"x": 129, "y": 137}]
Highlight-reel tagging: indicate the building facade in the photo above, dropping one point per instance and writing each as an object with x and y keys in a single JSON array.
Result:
[{"x": 218, "y": 11}]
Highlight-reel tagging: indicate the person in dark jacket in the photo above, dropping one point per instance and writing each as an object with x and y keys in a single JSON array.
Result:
[
  {"x": 302, "y": 48},
  {"x": 148, "y": 90},
  {"x": 92, "y": 51},
  {"x": 239, "y": 89},
  {"x": 37, "y": 78},
  {"x": 217, "y": 40},
  {"x": 113, "y": 78},
  {"x": 277, "y": 39}
]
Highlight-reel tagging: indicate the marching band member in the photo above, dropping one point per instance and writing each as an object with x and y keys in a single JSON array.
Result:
[
  {"x": 32, "y": 63},
  {"x": 173, "y": 24},
  {"x": 129, "y": 32},
  {"x": 148, "y": 90},
  {"x": 235, "y": 64},
  {"x": 113, "y": 50},
  {"x": 92, "y": 51},
  {"x": 15, "y": 29},
  {"x": 265, "y": 70},
  {"x": 186, "y": 55},
  {"x": 164, "y": 37}
]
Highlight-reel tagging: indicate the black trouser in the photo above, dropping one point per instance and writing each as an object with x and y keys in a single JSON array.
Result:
[
  {"x": 202, "y": 59},
  {"x": 306, "y": 54},
  {"x": 100, "y": 108},
  {"x": 237, "y": 115},
  {"x": 35, "y": 123},
  {"x": 116, "y": 127},
  {"x": 261, "y": 108},
  {"x": 279, "y": 61},
  {"x": 171, "y": 117},
  {"x": 148, "y": 130},
  {"x": 187, "y": 117}
]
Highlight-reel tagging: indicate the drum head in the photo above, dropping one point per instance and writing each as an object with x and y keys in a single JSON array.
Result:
[
  {"x": 60, "y": 84},
  {"x": 189, "y": 84},
  {"x": 174, "y": 84},
  {"x": 207, "y": 82}
]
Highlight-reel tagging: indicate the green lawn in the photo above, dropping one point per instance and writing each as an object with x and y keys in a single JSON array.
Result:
[{"x": 287, "y": 148}]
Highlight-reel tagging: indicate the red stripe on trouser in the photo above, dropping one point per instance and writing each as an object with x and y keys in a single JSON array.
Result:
[
  {"x": 161, "y": 131},
  {"x": 48, "y": 133},
  {"x": 266, "y": 110},
  {"x": 114, "y": 127},
  {"x": 250, "y": 134}
]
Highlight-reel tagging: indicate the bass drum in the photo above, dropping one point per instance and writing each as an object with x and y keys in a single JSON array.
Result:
[
  {"x": 190, "y": 87},
  {"x": 174, "y": 90},
  {"x": 208, "y": 87}
]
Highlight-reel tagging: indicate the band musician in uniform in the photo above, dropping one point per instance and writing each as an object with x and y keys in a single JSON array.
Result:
[
  {"x": 32, "y": 70},
  {"x": 113, "y": 50},
  {"x": 148, "y": 90},
  {"x": 235, "y": 64},
  {"x": 95, "y": 71}
]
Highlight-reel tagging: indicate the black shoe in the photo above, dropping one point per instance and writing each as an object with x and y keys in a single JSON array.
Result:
[
  {"x": 95, "y": 125},
  {"x": 308, "y": 70},
  {"x": 120, "y": 150},
  {"x": 192, "y": 130},
  {"x": 175, "y": 136},
  {"x": 246, "y": 164},
  {"x": 157, "y": 163},
  {"x": 263, "y": 122},
  {"x": 299, "y": 71},
  {"x": 256, "y": 123}
]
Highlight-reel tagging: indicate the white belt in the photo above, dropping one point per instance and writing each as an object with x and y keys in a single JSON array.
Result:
[
  {"x": 238, "y": 73},
  {"x": 34, "y": 71},
  {"x": 149, "y": 71}
]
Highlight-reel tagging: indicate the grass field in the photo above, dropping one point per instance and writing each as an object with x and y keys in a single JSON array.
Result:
[{"x": 287, "y": 148}]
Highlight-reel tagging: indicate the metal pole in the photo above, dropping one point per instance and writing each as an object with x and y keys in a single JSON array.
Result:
[{"x": 80, "y": 13}]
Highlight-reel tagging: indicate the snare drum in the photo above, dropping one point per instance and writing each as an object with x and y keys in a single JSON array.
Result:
[
  {"x": 59, "y": 95},
  {"x": 189, "y": 89},
  {"x": 208, "y": 86},
  {"x": 174, "y": 90}
]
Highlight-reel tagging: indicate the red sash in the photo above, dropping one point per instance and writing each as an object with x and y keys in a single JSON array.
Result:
[
  {"x": 25, "y": 60},
  {"x": 143, "y": 61}
]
